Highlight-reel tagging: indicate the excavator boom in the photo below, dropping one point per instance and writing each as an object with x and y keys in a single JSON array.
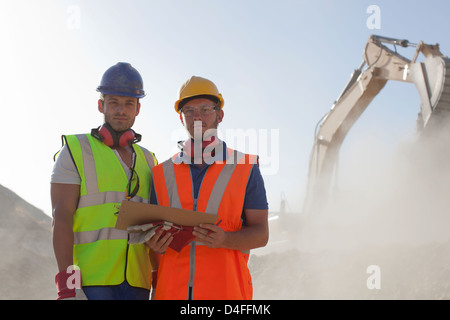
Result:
[{"x": 431, "y": 79}]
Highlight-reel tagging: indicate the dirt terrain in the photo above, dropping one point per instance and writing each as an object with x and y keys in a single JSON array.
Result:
[{"x": 303, "y": 260}]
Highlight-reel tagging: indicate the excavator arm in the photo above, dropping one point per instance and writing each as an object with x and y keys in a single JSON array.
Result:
[{"x": 432, "y": 81}]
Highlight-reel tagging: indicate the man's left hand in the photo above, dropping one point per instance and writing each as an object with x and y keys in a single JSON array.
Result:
[{"x": 211, "y": 235}]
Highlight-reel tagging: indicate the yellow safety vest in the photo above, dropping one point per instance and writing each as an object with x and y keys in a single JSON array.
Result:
[{"x": 101, "y": 251}]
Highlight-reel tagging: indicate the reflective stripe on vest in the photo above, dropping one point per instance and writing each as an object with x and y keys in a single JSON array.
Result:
[
  {"x": 222, "y": 192},
  {"x": 103, "y": 184},
  {"x": 101, "y": 234}
]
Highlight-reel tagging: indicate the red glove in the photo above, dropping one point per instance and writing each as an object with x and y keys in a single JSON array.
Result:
[
  {"x": 182, "y": 235},
  {"x": 62, "y": 279}
]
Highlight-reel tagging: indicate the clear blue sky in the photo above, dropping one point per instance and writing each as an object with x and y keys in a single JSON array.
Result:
[{"x": 279, "y": 65}]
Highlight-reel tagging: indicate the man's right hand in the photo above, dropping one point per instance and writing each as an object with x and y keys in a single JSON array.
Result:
[
  {"x": 62, "y": 280},
  {"x": 66, "y": 288},
  {"x": 160, "y": 244}
]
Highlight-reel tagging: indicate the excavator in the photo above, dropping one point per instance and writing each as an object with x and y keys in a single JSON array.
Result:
[{"x": 380, "y": 65}]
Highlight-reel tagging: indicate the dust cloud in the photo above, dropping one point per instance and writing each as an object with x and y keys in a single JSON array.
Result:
[{"x": 383, "y": 233}]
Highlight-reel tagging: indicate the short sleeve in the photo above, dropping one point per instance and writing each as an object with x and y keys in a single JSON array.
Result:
[
  {"x": 255, "y": 194},
  {"x": 64, "y": 169}
]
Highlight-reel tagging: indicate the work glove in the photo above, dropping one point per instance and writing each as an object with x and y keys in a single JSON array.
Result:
[
  {"x": 62, "y": 280},
  {"x": 182, "y": 235},
  {"x": 139, "y": 234}
]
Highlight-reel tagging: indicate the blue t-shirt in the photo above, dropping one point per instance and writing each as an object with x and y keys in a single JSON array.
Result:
[{"x": 255, "y": 193}]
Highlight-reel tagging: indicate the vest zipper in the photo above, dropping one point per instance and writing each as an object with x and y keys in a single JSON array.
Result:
[
  {"x": 191, "y": 271},
  {"x": 192, "y": 262},
  {"x": 190, "y": 293},
  {"x": 128, "y": 237}
]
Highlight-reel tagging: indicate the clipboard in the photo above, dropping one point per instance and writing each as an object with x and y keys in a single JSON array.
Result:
[{"x": 136, "y": 213}]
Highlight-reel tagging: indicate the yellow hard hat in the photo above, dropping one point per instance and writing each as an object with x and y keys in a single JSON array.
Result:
[{"x": 198, "y": 87}]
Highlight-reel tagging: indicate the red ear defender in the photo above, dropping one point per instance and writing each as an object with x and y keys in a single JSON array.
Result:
[
  {"x": 126, "y": 137},
  {"x": 106, "y": 135},
  {"x": 115, "y": 139}
]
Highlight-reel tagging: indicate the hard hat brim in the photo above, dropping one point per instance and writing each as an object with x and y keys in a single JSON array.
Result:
[
  {"x": 126, "y": 92},
  {"x": 217, "y": 99}
]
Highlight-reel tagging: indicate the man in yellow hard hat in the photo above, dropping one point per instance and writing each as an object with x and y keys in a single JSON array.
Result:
[
  {"x": 208, "y": 176},
  {"x": 93, "y": 173}
]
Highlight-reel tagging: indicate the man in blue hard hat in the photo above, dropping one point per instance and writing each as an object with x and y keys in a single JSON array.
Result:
[{"x": 93, "y": 173}]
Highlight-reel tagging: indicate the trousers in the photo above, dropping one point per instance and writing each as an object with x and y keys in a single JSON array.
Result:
[{"x": 122, "y": 291}]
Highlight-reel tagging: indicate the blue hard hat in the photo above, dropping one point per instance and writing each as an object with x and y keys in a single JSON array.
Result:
[{"x": 122, "y": 80}]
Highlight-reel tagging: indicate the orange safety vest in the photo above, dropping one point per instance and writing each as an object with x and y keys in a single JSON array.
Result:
[{"x": 197, "y": 271}]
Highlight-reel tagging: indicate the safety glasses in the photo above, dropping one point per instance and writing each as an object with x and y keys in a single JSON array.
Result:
[
  {"x": 132, "y": 185},
  {"x": 205, "y": 110}
]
